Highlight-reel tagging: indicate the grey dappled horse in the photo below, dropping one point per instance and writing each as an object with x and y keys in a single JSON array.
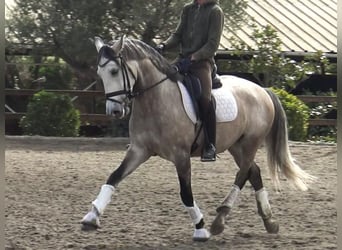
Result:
[{"x": 132, "y": 70}]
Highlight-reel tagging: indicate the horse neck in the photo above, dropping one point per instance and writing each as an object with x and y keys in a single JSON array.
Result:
[
  {"x": 148, "y": 76},
  {"x": 164, "y": 93}
]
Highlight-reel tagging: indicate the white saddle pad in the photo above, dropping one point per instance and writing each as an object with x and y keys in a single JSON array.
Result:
[{"x": 226, "y": 107}]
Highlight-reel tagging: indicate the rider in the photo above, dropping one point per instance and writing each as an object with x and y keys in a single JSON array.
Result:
[{"x": 198, "y": 33}]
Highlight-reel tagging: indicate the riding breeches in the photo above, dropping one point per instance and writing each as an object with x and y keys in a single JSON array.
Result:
[{"x": 203, "y": 70}]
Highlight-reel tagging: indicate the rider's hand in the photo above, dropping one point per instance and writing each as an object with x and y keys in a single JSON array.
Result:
[
  {"x": 160, "y": 48},
  {"x": 183, "y": 65}
]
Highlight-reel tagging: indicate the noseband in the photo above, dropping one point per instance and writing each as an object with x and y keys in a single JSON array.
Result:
[{"x": 109, "y": 54}]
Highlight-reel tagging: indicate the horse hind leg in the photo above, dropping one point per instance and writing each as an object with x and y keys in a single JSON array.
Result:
[
  {"x": 244, "y": 156},
  {"x": 224, "y": 209},
  {"x": 133, "y": 159},
  {"x": 261, "y": 196}
]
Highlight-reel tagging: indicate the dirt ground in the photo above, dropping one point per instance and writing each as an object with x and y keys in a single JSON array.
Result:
[{"x": 50, "y": 183}]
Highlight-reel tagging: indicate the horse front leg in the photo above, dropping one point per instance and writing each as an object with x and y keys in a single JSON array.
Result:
[
  {"x": 134, "y": 158},
  {"x": 184, "y": 176}
]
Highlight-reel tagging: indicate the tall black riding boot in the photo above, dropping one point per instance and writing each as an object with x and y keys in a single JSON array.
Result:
[{"x": 209, "y": 150}]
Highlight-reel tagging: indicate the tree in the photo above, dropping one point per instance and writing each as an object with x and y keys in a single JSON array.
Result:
[{"x": 65, "y": 26}]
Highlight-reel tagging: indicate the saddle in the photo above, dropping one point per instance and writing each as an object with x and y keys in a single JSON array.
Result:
[{"x": 193, "y": 86}]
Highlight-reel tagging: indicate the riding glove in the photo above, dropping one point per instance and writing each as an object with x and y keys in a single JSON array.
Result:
[
  {"x": 160, "y": 48},
  {"x": 183, "y": 65}
]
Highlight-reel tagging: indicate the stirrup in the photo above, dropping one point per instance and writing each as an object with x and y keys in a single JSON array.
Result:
[{"x": 209, "y": 153}]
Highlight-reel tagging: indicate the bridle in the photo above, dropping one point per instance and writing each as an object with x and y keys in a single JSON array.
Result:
[
  {"x": 110, "y": 56},
  {"x": 128, "y": 91}
]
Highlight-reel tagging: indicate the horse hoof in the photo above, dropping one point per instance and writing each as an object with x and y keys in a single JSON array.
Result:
[
  {"x": 201, "y": 235},
  {"x": 217, "y": 226},
  {"x": 88, "y": 227},
  {"x": 271, "y": 226},
  {"x": 90, "y": 222}
]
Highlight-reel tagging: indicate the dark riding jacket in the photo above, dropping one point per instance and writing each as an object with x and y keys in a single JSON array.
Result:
[{"x": 199, "y": 30}]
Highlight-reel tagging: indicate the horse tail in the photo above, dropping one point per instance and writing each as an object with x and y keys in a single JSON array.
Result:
[{"x": 279, "y": 158}]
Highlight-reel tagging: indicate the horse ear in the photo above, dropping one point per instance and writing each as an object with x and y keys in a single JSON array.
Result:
[
  {"x": 118, "y": 45},
  {"x": 98, "y": 43}
]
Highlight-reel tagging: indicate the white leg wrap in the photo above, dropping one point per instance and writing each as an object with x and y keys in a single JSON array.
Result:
[
  {"x": 195, "y": 213},
  {"x": 262, "y": 200},
  {"x": 262, "y": 195},
  {"x": 103, "y": 198},
  {"x": 232, "y": 196}
]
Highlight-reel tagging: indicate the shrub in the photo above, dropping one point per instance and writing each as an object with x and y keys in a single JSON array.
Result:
[
  {"x": 58, "y": 75},
  {"x": 50, "y": 114},
  {"x": 297, "y": 113}
]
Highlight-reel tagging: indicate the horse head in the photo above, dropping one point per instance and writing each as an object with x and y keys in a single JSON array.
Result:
[{"x": 117, "y": 76}]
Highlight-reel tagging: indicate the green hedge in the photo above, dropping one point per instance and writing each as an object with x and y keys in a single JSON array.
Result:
[
  {"x": 297, "y": 113},
  {"x": 50, "y": 114}
]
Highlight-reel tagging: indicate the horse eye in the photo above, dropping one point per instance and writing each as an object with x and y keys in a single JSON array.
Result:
[{"x": 114, "y": 71}]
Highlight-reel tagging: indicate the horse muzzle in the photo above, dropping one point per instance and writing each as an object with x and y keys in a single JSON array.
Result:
[{"x": 116, "y": 109}]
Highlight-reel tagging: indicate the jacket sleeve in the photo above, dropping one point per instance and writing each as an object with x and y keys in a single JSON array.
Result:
[
  {"x": 214, "y": 36},
  {"x": 176, "y": 37}
]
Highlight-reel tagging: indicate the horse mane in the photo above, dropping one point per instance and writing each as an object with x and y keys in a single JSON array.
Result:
[{"x": 137, "y": 50}]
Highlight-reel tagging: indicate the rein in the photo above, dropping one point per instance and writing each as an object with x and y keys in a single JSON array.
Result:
[{"x": 130, "y": 94}]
